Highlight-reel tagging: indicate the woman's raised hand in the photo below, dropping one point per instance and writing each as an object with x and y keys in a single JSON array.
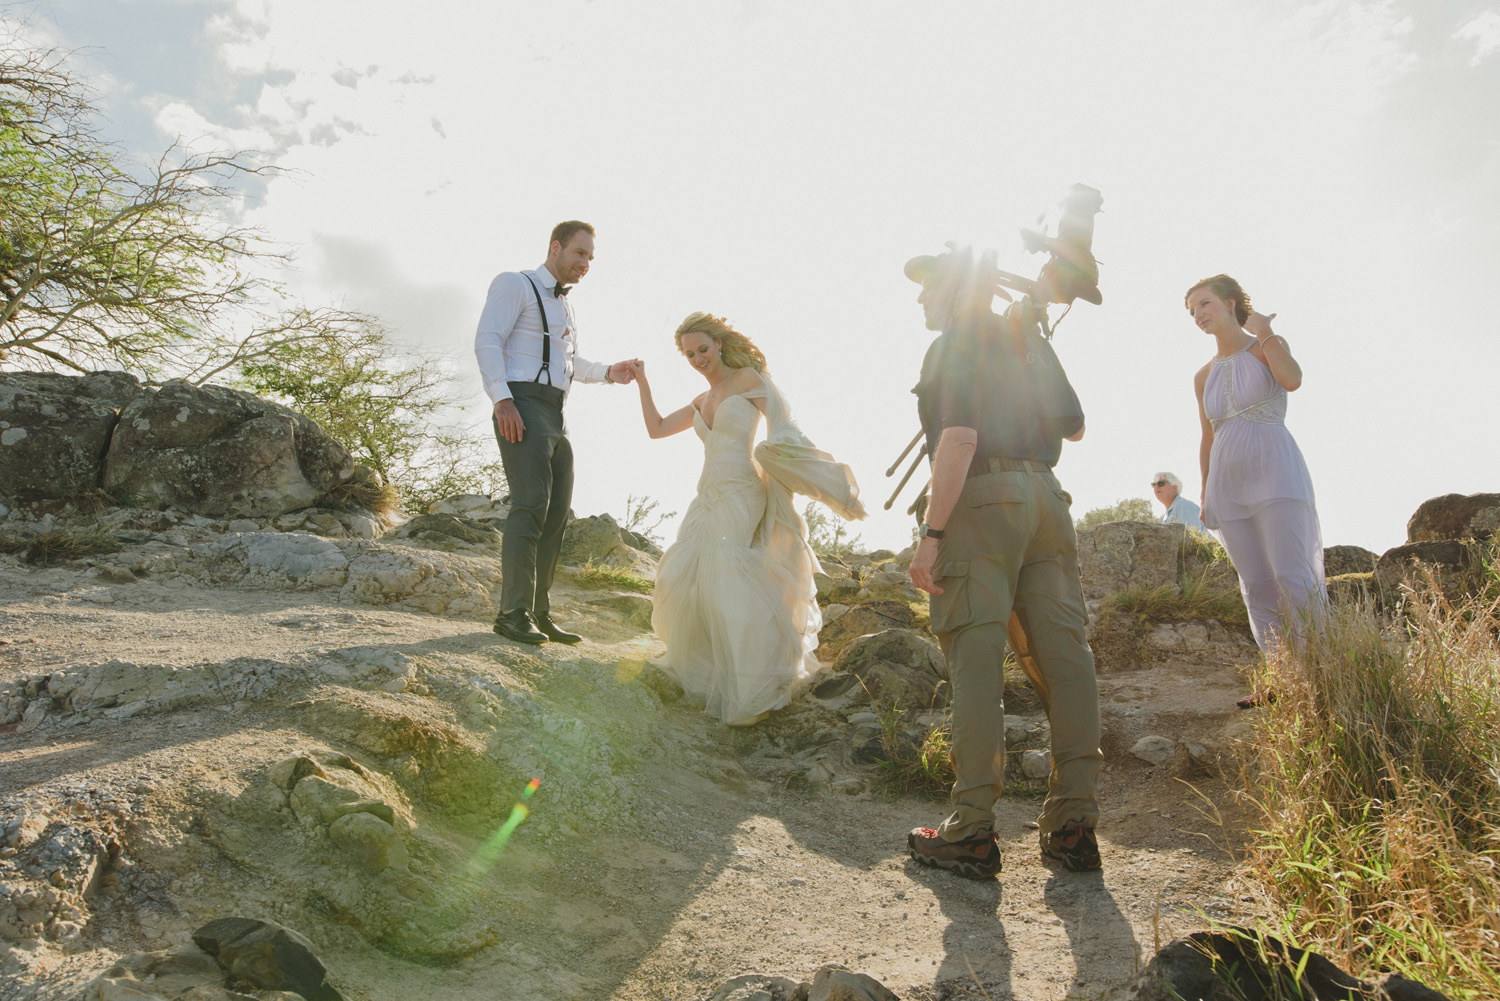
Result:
[
  {"x": 637, "y": 369},
  {"x": 1259, "y": 325}
]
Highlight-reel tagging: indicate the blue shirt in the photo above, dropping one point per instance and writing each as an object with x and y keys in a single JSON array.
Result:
[{"x": 1183, "y": 512}]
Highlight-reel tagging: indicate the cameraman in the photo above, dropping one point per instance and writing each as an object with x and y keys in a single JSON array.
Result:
[{"x": 999, "y": 556}]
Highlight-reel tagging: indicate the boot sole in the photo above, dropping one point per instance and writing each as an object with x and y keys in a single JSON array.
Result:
[{"x": 966, "y": 869}]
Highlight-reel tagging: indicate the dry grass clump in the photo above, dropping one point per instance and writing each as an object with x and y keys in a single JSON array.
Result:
[
  {"x": 59, "y": 545},
  {"x": 596, "y": 576},
  {"x": 1377, "y": 771},
  {"x": 1199, "y": 598},
  {"x": 380, "y": 499}
]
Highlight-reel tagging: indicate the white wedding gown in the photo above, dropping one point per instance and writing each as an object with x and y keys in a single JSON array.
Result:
[{"x": 734, "y": 599}]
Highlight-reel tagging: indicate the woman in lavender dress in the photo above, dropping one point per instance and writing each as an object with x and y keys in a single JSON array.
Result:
[{"x": 1257, "y": 493}]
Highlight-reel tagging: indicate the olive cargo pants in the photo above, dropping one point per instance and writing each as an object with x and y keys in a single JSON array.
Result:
[{"x": 1008, "y": 567}]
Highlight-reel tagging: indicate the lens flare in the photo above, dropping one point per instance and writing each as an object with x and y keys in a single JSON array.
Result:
[{"x": 484, "y": 859}]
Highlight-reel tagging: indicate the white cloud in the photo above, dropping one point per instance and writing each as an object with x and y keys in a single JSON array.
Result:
[{"x": 1483, "y": 29}]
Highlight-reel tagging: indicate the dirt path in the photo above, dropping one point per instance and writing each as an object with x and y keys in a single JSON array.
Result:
[{"x": 704, "y": 872}]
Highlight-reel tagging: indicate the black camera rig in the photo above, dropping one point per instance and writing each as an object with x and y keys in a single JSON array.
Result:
[{"x": 1071, "y": 272}]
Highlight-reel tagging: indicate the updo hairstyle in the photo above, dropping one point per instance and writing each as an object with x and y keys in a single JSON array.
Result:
[
  {"x": 1225, "y": 288},
  {"x": 735, "y": 349}
]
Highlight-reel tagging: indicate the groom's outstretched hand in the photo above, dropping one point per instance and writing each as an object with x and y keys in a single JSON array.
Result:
[
  {"x": 622, "y": 371},
  {"x": 508, "y": 420}
]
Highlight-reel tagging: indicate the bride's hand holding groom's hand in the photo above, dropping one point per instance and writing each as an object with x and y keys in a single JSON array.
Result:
[
  {"x": 637, "y": 370},
  {"x": 621, "y": 372}
]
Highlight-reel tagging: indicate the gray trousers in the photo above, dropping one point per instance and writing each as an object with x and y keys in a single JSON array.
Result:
[
  {"x": 539, "y": 473},
  {"x": 1008, "y": 567}
]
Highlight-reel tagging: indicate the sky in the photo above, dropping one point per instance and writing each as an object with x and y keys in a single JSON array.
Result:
[{"x": 777, "y": 162}]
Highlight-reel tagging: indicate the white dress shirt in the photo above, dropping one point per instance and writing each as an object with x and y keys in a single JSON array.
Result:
[{"x": 508, "y": 343}]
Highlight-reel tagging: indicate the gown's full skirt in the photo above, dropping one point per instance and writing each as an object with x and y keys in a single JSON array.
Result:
[{"x": 739, "y": 616}]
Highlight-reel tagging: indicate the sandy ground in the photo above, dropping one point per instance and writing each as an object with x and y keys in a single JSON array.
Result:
[{"x": 721, "y": 874}]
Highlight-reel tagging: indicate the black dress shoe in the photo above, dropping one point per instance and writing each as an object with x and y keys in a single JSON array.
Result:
[
  {"x": 554, "y": 633},
  {"x": 516, "y": 625}
]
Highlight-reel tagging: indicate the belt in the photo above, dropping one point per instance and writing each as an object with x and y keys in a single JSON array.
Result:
[{"x": 981, "y": 465}]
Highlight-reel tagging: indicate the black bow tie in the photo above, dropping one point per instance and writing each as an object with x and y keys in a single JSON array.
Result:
[{"x": 561, "y": 289}]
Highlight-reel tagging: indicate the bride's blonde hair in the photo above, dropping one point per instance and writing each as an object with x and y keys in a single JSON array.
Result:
[{"x": 735, "y": 349}]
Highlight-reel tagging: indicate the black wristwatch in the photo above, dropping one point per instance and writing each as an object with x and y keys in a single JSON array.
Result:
[{"x": 928, "y": 532}]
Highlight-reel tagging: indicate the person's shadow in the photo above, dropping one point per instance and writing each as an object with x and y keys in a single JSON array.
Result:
[
  {"x": 976, "y": 956},
  {"x": 1100, "y": 938}
]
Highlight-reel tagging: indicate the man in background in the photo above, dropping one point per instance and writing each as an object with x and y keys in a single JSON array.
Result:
[{"x": 1180, "y": 510}]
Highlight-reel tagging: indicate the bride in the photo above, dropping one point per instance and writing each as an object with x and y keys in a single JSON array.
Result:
[{"x": 735, "y": 601}]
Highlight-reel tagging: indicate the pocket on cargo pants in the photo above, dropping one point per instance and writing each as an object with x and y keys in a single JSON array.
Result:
[{"x": 950, "y": 610}]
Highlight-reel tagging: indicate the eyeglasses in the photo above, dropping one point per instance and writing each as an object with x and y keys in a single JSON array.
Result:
[{"x": 1159, "y": 483}]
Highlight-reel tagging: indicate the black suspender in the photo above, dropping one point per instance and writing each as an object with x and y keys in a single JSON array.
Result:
[{"x": 546, "y": 334}]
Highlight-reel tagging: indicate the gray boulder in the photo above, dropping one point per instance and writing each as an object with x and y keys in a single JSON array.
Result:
[
  {"x": 896, "y": 667},
  {"x": 1340, "y": 560},
  {"x": 266, "y": 955},
  {"x": 1129, "y": 554},
  {"x": 867, "y": 617},
  {"x": 370, "y": 841},
  {"x": 1455, "y": 566},
  {"x": 1454, "y": 516},
  {"x": 222, "y": 452},
  {"x": 591, "y": 540},
  {"x": 55, "y": 429},
  {"x": 1236, "y": 964}
]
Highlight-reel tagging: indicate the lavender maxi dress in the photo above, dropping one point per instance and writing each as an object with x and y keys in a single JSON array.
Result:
[{"x": 1259, "y": 499}]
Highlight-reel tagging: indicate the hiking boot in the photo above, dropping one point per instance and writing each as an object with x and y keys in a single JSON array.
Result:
[
  {"x": 973, "y": 858},
  {"x": 1074, "y": 845}
]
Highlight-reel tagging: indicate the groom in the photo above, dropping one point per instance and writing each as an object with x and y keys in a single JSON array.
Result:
[{"x": 527, "y": 351}]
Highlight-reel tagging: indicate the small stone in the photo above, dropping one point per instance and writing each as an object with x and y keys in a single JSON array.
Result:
[
  {"x": 1036, "y": 764},
  {"x": 1153, "y": 749}
]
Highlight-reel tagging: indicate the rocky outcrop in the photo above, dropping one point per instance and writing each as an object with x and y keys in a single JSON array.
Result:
[
  {"x": 896, "y": 667},
  {"x": 203, "y": 449},
  {"x": 1454, "y": 516},
  {"x": 861, "y": 620},
  {"x": 1129, "y": 554},
  {"x": 444, "y": 529},
  {"x": 55, "y": 430},
  {"x": 221, "y": 452}
]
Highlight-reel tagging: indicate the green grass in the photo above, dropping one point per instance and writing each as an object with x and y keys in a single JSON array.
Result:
[
  {"x": 59, "y": 545},
  {"x": 592, "y": 575},
  {"x": 922, "y": 768},
  {"x": 1376, "y": 778}
]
